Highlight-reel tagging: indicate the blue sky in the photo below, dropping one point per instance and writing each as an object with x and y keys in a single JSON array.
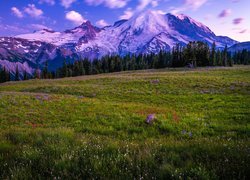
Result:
[{"x": 225, "y": 17}]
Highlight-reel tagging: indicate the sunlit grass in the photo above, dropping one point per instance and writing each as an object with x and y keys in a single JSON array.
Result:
[{"x": 94, "y": 126}]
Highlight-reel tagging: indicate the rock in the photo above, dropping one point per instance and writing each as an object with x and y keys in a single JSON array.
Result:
[
  {"x": 150, "y": 118},
  {"x": 156, "y": 81},
  {"x": 191, "y": 66}
]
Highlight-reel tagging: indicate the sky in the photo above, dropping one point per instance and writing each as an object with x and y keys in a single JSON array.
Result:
[{"x": 224, "y": 17}]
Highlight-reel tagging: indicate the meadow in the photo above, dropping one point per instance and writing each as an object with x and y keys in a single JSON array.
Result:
[{"x": 93, "y": 127}]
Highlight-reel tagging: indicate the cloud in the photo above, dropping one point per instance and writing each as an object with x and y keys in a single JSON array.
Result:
[
  {"x": 39, "y": 27},
  {"x": 33, "y": 11},
  {"x": 188, "y": 4},
  {"x": 102, "y": 23},
  {"x": 75, "y": 17},
  {"x": 225, "y": 13},
  {"x": 13, "y": 29},
  {"x": 243, "y": 31},
  {"x": 128, "y": 13},
  {"x": 144, "y": 3},
  {"x": 50, "y": 2},
  {"x": 17, "y": 12},
  {"x": 237, "y": 21},
  {"x": 154, "y": 3},
  {"x": 194, "y": 4},
  {"x": 208, "y": 16},
  {"x": 161, "y": 12},
  {"x": 67, "y": 3},
  {"x": 108, "y": 3}
]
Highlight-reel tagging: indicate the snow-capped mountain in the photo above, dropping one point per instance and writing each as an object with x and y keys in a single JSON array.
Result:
[{"x": 144, "y": 33}]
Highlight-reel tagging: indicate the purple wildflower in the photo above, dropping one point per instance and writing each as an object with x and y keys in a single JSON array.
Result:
[{"x": 150, "y": 118}]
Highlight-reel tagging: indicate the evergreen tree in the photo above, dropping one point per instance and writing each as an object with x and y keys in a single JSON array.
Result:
[
  {"x": 132, "y": 62},
  {"x": 45, "y": 73},
  {"x": 2, "y": 76},
  {"x": 213, "y": 55},
  {"x": 81, "y": 68},
  {"x": 87, "y": 66},
  {"x": 230, "y": 60},
  {"x": 225, "y": 59},
  {"x": 17, "y": 74},
  {"x": 64, "y": 69},
  {"x": 37, "y": 74},
  {"x": 155, "y": 61},
  {"x": 218, "y": 58},
  {"x": 190, "y": 54},
  {"x": 25, "y": 76},
  {"x": 161, "y": 59}
]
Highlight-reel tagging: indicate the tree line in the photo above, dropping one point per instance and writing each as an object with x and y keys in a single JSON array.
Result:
[{"x": 195, "y": 54}]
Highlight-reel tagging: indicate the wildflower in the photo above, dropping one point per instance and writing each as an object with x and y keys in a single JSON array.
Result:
[
  {"x": 150, "y": 118},
  {"x": 184, "y": 132},
  {"x": 80, "y": 97},
  {"x": 190, "y": 134}
]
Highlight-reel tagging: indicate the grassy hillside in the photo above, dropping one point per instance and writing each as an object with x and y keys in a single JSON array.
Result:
[{"x": 94, "y": 126}]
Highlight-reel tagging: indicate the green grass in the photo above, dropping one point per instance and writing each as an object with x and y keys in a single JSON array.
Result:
[{"x": 93, "y": 127}]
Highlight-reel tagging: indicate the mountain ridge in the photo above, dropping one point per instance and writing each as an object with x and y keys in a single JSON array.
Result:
[{"x": 146, "y": 32}]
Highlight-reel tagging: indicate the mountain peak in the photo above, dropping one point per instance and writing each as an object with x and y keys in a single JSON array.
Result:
[
  {"x": 85, "y": 26},
  {"x": 86, "y": 23},
  {"x": 151, "y": 21}
]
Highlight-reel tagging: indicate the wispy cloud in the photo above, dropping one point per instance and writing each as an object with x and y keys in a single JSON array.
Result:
[
  {"x": 194, "y": 4},
  {"x": 188, "y": 4},
  {"x": 102, "y": 23},
  {"x": 243, "y": 31},
  {"x": 225, "y": 13},
  {"x": 128, "y": 13},
  {"x": 237, "y": 21},
  {"x": 50, "y": 2},
  {"x": 39, "y": 26},
  {"x": 144, "y": 3},
  {"x": 17, "y": 12},
  {"x": 67, "y": 3},
  {"x": 13, "y": 29},
  {"x": 33, "y": 11},
  {"x": 108, "y": 3},
  {"x": 235, "y": 1}
]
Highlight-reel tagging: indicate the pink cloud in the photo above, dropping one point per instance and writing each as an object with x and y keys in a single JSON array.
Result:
[
  {"x": 108, "y": 3},
  {"x": 225, "y": 13},
  {"x": 237, "y": 21},
  {"x": 195, "y": 4},
  {"x": 17, "y": 12},
  {"x": 243, "y": 31},
  {"x": 188, "y": 4}
]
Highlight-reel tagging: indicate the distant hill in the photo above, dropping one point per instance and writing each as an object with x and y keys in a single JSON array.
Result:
[{"x": 240, "y": 47}]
